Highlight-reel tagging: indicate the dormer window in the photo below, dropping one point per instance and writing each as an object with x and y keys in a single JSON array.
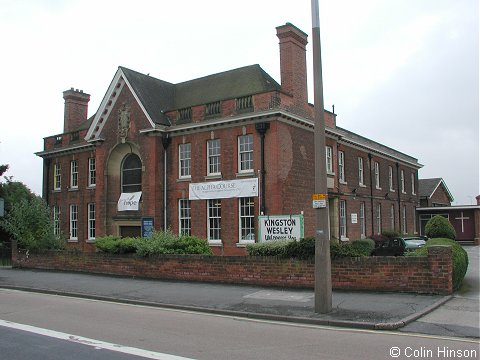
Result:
[
  {"x": 213, "y": 109},
  {"x": 244, "y": 103},
  {"x": 185, "y": 114}
]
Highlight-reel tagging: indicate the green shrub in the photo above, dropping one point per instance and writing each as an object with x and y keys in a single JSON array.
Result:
[
  {"x": 459, "y": 258},
  {"x": 439, "y": 227},
  {"x": 116, "y": 245},
  {"x": 165, "y": 242},
  {"x": 305, "y": 249},
  {"x": 270, "y": 248},
  {"x": 356, "y": 248}
]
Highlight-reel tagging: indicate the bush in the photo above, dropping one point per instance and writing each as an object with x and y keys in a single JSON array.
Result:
[
  {"x": 356, "y": 248},
  {"x": 165, "y": 242},
  {"x": 305, "y": 249},
  {"x": 270, "y": 248},
  {"x": 439, "y": 227},
  {"x": 459, "y": 258},
  {"x": 116, "y": 245},
  {"x": 29, "y": 222}
]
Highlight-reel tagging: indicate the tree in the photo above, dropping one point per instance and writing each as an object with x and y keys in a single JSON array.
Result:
[
  {"x": 439, "y": 227},
  {"x": 29, "y": 222}
]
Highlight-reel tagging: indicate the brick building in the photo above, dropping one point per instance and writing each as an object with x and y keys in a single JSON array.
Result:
[{"x": 208, "y": 156}]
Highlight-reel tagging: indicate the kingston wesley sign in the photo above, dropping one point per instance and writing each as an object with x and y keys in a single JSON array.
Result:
[{"x": 280, "y": 227}]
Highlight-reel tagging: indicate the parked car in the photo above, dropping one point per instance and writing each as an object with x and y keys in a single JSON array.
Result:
[{"x": 398, "y": 246}]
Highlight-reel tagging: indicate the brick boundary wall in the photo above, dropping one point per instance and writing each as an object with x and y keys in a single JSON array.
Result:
[{"x": 425, "y": 275}]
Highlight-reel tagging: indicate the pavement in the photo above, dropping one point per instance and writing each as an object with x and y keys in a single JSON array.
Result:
[{"x": 366, "y": 310}]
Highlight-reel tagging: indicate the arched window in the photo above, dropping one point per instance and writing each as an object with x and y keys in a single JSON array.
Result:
[{"x": 131, "y": 174}]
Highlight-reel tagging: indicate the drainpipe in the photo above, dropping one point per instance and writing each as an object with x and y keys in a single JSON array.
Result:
[
  {"x": 371, "y": 193},
  {"x": 165, "y": 142},
  {"x": 399, "y": 198},
  {"x": 46, "y": 178},
  {"x": 262, "y": 129}
]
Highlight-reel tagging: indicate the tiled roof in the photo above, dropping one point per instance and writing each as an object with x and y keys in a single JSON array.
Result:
[{"x": 158, "y": 96}]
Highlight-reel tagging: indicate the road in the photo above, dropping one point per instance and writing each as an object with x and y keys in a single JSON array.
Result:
[
  {"x": 195, "y": 335},
  {"x": 460, "y": 315}
]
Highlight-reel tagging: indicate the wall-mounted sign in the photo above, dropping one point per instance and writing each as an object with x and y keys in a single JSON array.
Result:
[
  {"x": 280, "y": 227},
  {"x": 129, "y": 201},
  {"x": 354, "y": 218},
  {"x": 147, "y": 226},
  {"x": 223, "y": 189}
]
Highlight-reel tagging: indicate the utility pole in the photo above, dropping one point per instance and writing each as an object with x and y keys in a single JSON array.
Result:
[{"x": 323, "y": 271}]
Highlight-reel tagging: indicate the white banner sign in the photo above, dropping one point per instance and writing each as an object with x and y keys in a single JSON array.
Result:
[
  {"x": 280, "y": 227},
  {"x": 129, "y": 201},
  {"x": 223, "y": 189}
]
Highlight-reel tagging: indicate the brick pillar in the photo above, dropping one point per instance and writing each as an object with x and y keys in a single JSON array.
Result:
[
  {"x": 14, "y": 252},
  {"x": 441, "y": 268}
]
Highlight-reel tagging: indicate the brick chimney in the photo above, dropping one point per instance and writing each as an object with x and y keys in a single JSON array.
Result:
[
  {"x": 293, "y": 62},
  {"x": 76, "y": 109}
]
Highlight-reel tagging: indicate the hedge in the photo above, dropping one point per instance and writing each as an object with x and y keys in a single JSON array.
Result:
[
  {"x": 459, "y": 258},
  {"x": 159, "y": 243},
  {"x": 305, "y": 249}
]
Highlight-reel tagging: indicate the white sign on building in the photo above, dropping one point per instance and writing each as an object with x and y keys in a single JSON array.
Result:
[
  {"x": 129, "y": 201},
  {"x": 280, "y": 227},
  {"x": 223, "y": 189}
]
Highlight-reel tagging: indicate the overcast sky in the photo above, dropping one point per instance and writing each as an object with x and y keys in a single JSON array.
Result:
[{"x": 404, "y": 73}]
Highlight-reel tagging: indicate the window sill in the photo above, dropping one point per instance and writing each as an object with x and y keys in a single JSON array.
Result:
[
  {"x": 342, "y": 182},
  {"x": 246, "y": 174},
  {"x": 244, "y": 243},
  {"x": 90, "y": 241},
  {"x": 213, "y": 176},
  {"x": 73, "y": 189},
  {"x": 72, "y": 240},
  {"x": 91, "y": 187},
  {"x": 378, "y": 188},
  {"x": 215, "y": 242},
  {"x": 362, "y": 185},
  {"x": 184, "y": 179}
]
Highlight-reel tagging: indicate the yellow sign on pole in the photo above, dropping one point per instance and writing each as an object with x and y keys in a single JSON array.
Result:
[{"x": 319, "y": 201}]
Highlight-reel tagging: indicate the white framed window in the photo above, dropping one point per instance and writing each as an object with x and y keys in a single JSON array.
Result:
[
  {"x": 404, "y": 219},
  {"x": 73, "y": 222},
  {"x": 413, "y": 183},
  {"x": 245, "y": 153},
  {"x": 73, "y": 174},
  {"x": 341, "y": 166},
  {"x": 184, "y": 217},
  {"x": 57, "y": 176},
  {"x": 392, "y": 217},
  {"x": 246, "y": 220},
  {"x": 379, "y": 219},
  {"x": 184, "y": 160},
  {"x": 402, "y": 181},
  {"x": 343, "y": 219},
  {"x": 214, "y": 221},
  {"x": 329, "y": 159},
  {"x": 213, "y": 157},
  {"x": 363, "y": 227},
  {"x": 56, "y": 221},
  {"x": 92, "y": 172},
  {"x": 91, "y": 221},
  {"x": 361, "y": 178},
  {"x": 390, "y": 178},
  {"x": 377, "y": 175}
]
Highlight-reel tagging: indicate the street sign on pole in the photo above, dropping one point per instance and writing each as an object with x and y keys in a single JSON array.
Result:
[{"x": 323, "y": 271}]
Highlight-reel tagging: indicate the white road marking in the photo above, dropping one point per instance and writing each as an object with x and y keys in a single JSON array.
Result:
[{"x": 97, "y": 344}]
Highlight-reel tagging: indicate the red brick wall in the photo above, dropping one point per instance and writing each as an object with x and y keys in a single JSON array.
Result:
[{"x": 431, "y": 274}]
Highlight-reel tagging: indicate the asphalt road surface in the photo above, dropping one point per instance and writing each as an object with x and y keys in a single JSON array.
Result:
[{"x": 90, "y": 329}]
